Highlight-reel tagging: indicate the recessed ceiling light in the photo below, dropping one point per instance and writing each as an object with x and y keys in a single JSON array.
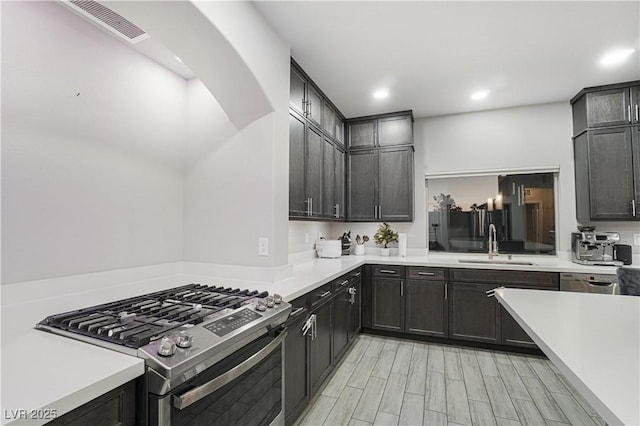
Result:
[
  {"x": 381, "y": 93},
  {"x": 178, "y": 59},
  {"x": 481, "y": 94},
  {"x": 616, "y": 57}
]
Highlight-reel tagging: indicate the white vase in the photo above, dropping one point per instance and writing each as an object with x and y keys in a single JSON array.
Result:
[
  {"x": 384, "y": 251},
  {"x": 359, "y": 250}
]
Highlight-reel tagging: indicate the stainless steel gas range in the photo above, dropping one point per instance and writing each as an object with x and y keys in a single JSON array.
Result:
[{"x": 213, "y": 355}]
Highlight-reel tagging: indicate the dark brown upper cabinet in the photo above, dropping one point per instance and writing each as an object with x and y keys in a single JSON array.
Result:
[
  {"x": 394, "y": 129},
  {"x": 606, "y": 147},
  {"x": 316, "y": 152}
]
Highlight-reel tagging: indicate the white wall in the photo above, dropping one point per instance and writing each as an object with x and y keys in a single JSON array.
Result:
[
  {"x": 238, "y": 192},
  {"x": 91, "y": 149},
  {"x": 141, "y": 167}
]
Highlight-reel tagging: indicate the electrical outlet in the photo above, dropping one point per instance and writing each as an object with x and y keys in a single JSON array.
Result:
[
  {"x": 636, "y": 239},
  {"x": 263, "y": 247}
]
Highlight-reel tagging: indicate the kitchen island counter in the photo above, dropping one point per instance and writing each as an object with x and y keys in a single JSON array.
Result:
[{"x": 593, "y": 339}]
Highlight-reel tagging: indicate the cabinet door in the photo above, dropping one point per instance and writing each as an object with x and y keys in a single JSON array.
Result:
[
  {"x": 512, "y": 333},
  {"x": 314, "y": 105},
  {"x": 320, "y": 351},
  {"x": 395, "y": 131},
  {"x": 295, "y": 375},
  {"x": 297, "y": 193},
  {"x": 608, "y": 108},
  {"x": 396, "y": 185},
  {"x": 426, "y": 308},
  {"x": 388, "y": 304},
  {"x": 339, "y": 183},
  {"x": 340, "y": 130},
  {"x": 473, "y": 315},
  {"x": 355, "y": 318},
  {"x": 328, "y": 179},
  {"x": 313, "y": 166},
  {"x": 611, "y": 174},
  {"x": 297, "y": 85},
  {"x": 329, "y": 120},
  {"x": 362, "y": 134},
  {"x": 341, "y": 313},
  {"x": 362, "y": 186},
  {"x": 635, "y": 142},
  {"x": 635, "y": 104}
]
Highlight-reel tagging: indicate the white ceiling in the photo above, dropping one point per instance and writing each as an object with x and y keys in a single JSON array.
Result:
[{"x": 433, "y": 55}]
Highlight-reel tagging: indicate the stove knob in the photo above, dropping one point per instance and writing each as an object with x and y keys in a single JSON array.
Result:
[
  {"x": 167, "y": 347},
  {"x": 184, "y": 340},
  {"x": 261, "y": 305},
  {"x": 277, "y": 299},
  {"x": 270, "y": 302}
]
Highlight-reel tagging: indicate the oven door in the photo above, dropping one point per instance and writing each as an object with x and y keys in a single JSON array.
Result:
[{"x": 246, "y": 388}]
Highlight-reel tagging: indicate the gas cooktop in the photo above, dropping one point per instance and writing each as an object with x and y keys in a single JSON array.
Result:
[{"x": 175, "y": 330}]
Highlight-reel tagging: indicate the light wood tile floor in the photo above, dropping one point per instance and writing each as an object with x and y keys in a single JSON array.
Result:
[{"x": 384, "y": 381}]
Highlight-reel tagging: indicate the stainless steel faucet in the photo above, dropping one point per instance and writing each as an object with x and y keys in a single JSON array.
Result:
[{"x": 493, "y": 243}]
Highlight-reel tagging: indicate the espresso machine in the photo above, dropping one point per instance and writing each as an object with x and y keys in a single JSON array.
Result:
[{"x": 595, "y": 248}]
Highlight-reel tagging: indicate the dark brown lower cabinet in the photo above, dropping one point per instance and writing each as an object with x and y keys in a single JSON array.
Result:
[
  {"x": 355, "y": 314},
  {"x": 426, "y": 309},
  {"x": 512, "y": 333},
  {"x": 472, "y": 315},
  {"x": 341, "y": 314},
  {"x": 296, "y": 357},
  {"x": 320, "y": 347},
  {"x": 388, "y": 304},
  {"x": 114, "y": 408}
]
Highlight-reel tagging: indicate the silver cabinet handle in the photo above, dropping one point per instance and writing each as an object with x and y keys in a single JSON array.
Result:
[
  {"x": 343, "y": 283},
  {"x": 379, "y": 211},
  {"x": 314, "y": 328},
  {"x": 387, "y": 271},
  {"x": 633, "y": 208},
  {"x": 296, "y": 312},
  {"x": 186, "y": 399},
  {"x": 637, "y": 112},
  {"x": 337, "y": 207},
  {"x": 326, "y": 293},
  {"x": 352, "y": 295},
  {"x": 375, "y": 212},
  {"x": 308, "y": 326},
  {"x": 307, "y": 201},
  {"x": 428, "y": 274},
  {"x": 446, "y": 291},
  {"x": 310, "y": 206},
  {"x": 401, "y": 288},
  {"x": 310, "y": 113},
  {"x": 629, "y": 113},
  {"x": 357, "y": 274}
]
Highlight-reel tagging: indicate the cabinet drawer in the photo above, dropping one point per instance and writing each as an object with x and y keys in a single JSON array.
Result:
[
  {"x": 299, "y": 308},
  {"x": 388, "y": 271},
  {"x": 355, "y": 275},
  {"x": 342, "y": 282},
  {"x": 425, "y": 273},
  {"x": 509, "y": 278},
  {"x": 321, "y": 294}
]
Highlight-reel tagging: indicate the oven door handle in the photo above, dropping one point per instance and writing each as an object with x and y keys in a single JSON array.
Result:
[{"x": 186, "y": 399}]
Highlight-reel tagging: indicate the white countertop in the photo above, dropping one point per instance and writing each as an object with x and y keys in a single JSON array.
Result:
[
  {"x": 41, "y": 370},
  {"x": 593, "y": 339}
]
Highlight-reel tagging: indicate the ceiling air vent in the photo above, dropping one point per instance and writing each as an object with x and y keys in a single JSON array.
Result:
[{"x": 107, "y": 19}]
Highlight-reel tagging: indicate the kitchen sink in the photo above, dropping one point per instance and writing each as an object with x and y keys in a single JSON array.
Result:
[{"x": 497, "y": 262}]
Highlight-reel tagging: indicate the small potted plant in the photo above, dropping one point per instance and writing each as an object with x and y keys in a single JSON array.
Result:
[{"x": 385, "y": 236}]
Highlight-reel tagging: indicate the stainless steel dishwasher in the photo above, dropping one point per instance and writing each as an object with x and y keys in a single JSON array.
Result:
[{"x": 589, "y": 283}]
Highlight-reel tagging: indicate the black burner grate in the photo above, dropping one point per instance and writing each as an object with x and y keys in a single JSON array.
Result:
[{"x": 136, "y": 321}]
